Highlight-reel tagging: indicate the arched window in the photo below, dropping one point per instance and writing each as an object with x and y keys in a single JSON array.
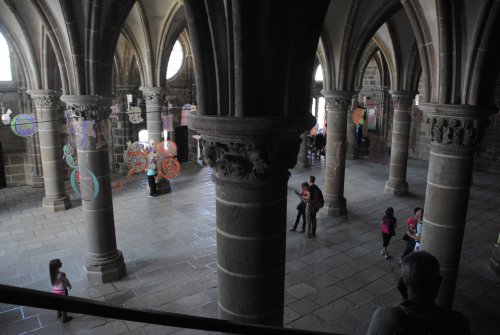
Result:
[
  {"x": 5, "y": 71},
  {"x": 175, "y": 61},
  {"x": 319, "y": 74}
]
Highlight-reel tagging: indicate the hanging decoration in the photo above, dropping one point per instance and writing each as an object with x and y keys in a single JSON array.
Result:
[
  {"x": 168, "y": 165},
  {"x": 134, "y": 115},
  {"x": 6, "y": 116},
  {"x": 139, "y": 154},
  {"x": 23, "y": 125},
  {"x": 358, "y": 115},
  {"x": 83, "y": 181},
  {"x": 136, "y": 157}
]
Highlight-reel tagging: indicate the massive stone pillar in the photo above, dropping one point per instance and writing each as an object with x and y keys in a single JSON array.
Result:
[
  {"x": 302, "y": 159},
  {"x": 337, "y": 105},
  {"x": 49, "y": 125},
  {"x": 454, "y": 132},
  {"x": 251, "y": 158},
  {"x": 104, "y": 262},
  {"x": 402, "y": 102},
  {"x": 155, "y": 99},
  {"x": 351, "y": 146}
]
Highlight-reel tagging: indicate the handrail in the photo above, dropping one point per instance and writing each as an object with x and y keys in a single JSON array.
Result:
[{"x": 34, "y": 298}]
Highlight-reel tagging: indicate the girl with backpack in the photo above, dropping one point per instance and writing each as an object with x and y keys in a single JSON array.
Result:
[{"x": 388, "y": 229}]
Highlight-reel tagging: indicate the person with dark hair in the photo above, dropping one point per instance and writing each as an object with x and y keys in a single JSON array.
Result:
[
  {"x": 314, "y": 203},
  {"x": 387, "y": 227},
  {"x": 418, "y": 314},
  {"x": 60, "y": 284},
  {"x": 411, "y": 231},
  {"x": 301, "y": 208}
]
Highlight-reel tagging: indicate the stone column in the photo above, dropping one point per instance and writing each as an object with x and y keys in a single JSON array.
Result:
[
  {"x": 251, "y": 157},
  {"x": 49, "y": 128},
  {"x": 402, "y": 102},
  {"x": 104, "y": 262},
  {"x": 155, "y": 99},
  {"x": 337, "y": 105},
  {"x": 351, "y": 146},
  {"x": 385, "y": 112},
  {"x": 121, "y": 132},
  {"x": 454, "y": 131},
  {"x": 302, "y": 159}
]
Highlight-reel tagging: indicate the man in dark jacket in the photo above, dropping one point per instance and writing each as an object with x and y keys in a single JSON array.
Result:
[{"x": 418, "y": 314}]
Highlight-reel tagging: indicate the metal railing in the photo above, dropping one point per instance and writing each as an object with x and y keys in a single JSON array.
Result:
[{"x": 28, "y": 297}]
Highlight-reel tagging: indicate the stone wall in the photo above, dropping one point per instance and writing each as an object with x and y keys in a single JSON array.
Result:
[
  {"x": 371, "y": 83},
  {"x": 488, "y": 155}
]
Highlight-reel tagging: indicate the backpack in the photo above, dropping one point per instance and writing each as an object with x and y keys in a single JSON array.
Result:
[
  {"x": 384, "y": 226},
  {"x": 318, "y": 197}
]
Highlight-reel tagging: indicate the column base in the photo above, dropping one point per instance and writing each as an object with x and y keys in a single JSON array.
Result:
[
  {"x": 110, "y": 271},
  {"x": 56, "y": 204},
  {"x": 495, "y": 260},
  {"x": 336, "y": 206},
  {"x": 400, "y": 188}
]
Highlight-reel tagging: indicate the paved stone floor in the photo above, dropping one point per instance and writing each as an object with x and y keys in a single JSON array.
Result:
[{"x": 333, "y": 282}]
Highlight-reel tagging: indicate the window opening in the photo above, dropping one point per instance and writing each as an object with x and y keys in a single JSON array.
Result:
[
  {"x": 175, "y": 61},
  {"x": 5, "y": 70},
  {"x": 319, "y": 74}
]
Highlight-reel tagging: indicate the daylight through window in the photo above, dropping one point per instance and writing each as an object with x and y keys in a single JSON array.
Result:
[
  {"x": 175, "y": 61},
  {"x": 5, "y": 71}
]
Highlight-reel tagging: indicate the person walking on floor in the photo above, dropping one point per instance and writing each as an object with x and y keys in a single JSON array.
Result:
[
  {"x": 301, "y": 208},
  {"x": 60, "y": 284},
  {"x": 387, "y": 227}
]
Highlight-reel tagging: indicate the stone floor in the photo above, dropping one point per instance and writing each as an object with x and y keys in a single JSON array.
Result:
[{"x": 333, "y": 282}]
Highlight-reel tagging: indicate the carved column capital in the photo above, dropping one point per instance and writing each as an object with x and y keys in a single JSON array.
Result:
[
  {"x": 87, "y": 107},
  {"x": 250, "y": 148},
  {"x": 154, "y": 96},
  {"x": 340, "y": 99},
  {"x": 45, "y": 99},
  {"x": 403, "y": 99},
  {"x": 250, "y": 161},
  {"x": 456, "y": 126}
]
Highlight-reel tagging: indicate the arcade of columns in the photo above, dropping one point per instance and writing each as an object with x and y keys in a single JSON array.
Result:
[{"x": 250, "y": 157}]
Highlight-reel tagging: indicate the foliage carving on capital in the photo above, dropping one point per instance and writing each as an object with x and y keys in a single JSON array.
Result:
[
  {"x": 87, "y": 111},
  {"x": 46, "y": 101},
  {"x": 338, "y": 101},
  {"x": 155, "y": 98},
  {"x": 249, "y": 161},
  {"x": 457, "y": 132}
]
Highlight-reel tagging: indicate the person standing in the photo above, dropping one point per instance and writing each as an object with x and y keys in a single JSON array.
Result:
[
  {"x": 315, "y": 201},
  {"x": 60, "y": 284},
  {"x": 151, "y": 172},
  {"x": 301, "y": 208},
  {"x": 418, "y": 232},
  {"x": 387, "y": 227},
  {"x": 411, "y": 231}
]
